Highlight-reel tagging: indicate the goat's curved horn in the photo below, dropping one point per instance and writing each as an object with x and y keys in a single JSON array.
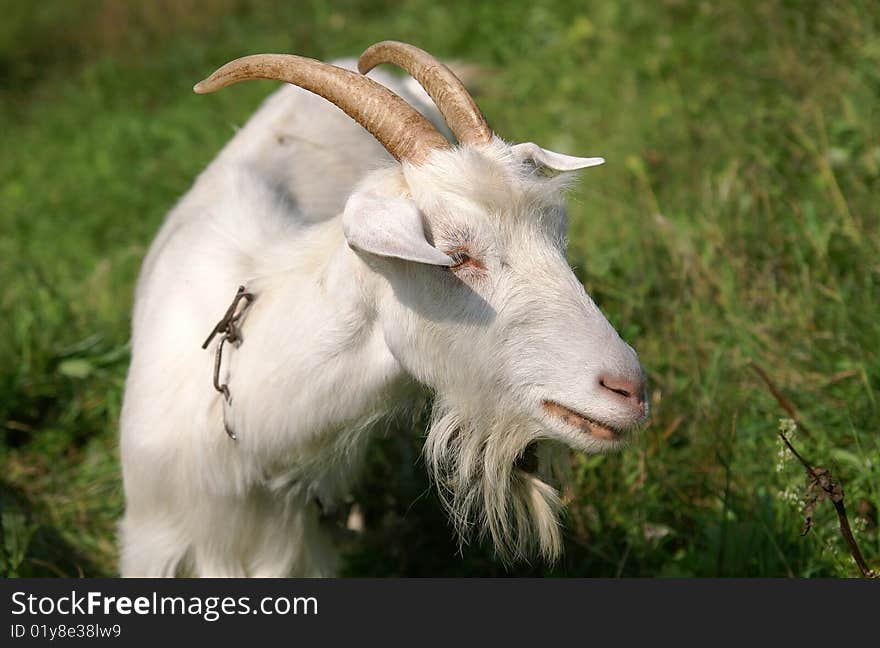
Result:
[
  {"x": 444, "y": 88},
  {"x": 400, "y": 128}
]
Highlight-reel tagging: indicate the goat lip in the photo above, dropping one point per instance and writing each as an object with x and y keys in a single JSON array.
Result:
[{"x": 581, "y": 421}]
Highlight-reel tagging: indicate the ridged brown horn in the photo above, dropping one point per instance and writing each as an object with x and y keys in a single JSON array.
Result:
[
  {"x": 399, "y": 127},
  {"x": 445, "y": 89}
]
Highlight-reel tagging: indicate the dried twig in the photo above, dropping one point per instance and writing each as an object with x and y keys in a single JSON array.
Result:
[
  {"x": 782, "y": 400},
  {"x": 820, "y": 482}
]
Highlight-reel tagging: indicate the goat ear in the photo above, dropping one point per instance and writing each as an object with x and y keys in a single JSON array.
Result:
[
  {"x": 389, "y": 227},
  {"x": 551, "y": 160}
]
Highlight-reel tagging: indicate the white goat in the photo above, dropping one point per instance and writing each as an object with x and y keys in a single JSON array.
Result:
[{"x": 445, "y": 267}]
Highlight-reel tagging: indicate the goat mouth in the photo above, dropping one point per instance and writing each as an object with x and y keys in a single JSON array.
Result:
[{"x": 581, "y": 421}]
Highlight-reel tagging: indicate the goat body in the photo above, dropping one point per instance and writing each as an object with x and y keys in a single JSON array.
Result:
[{"x": 262, "y": 214}]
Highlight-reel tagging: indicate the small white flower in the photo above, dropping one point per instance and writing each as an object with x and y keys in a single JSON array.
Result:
[{"x": 787, "y": 426}]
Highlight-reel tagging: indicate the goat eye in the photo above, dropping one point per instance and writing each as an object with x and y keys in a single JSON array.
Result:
[
  {"x": 462, "y": 260},
  {"x": 459, "y": 258}
]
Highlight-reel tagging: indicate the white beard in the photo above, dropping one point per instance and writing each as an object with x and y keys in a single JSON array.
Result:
[{"x": 473, "y": 455}]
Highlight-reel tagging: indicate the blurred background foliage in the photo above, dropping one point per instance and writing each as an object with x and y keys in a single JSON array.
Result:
[{"x": 736, "y": 220}]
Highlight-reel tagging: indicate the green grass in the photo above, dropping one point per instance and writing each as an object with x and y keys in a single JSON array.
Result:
[{"x": 736, "y": 220}]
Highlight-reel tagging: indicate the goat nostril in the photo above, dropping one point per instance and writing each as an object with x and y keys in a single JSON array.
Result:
[
  {"x": 631, "y": 390},
  {"x": 616, "y": 389}
]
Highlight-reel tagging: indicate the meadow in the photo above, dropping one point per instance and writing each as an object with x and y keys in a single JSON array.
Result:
[{"x": 736, "y": 221}]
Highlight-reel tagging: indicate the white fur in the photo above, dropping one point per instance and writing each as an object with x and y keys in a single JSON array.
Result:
[{"x": 337, "y": 337}]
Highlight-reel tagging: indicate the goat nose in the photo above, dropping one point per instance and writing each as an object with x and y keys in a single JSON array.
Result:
[{"x": 631, "y": 390}]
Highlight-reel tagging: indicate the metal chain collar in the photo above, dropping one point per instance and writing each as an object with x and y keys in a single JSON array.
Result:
[{"x": 229, "y": 330}]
